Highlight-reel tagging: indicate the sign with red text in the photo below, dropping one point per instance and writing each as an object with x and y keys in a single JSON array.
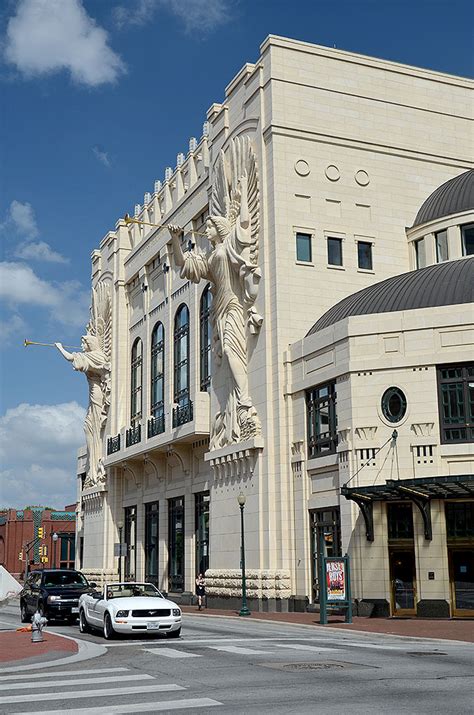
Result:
[{"x": 336, "y": 580}]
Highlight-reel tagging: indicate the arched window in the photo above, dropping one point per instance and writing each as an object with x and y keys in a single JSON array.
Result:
[
  {"x": 181, "y": 356},
  {"x": 136, "y": 382},
  {"x": 205, "y": 339},
  {"x": 157, "y": 371}
]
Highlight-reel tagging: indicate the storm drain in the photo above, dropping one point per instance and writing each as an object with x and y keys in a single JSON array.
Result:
[{"x": 299, "y": 667}]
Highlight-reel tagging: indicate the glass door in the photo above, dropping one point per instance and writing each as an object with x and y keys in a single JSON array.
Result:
[
  {"x": 151, "y": 542},
  {"x": 461, "y": 562},
  {"x": 402, "y": 576}
]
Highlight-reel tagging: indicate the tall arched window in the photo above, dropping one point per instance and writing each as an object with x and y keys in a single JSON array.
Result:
[
  {"x": 205, "y": 338},
  {"x": 136, "y": 382},
  {"x": 181, "y": 356},
  {"x": 157, "y": 371}
]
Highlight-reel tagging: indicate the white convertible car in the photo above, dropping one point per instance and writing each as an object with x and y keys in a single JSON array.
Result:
[{"x": 129, "y": 608}]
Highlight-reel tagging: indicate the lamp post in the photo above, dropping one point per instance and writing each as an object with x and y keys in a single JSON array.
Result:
[
  {"x": 55, "y": 538},
  {"x": 244, "y": 611},
  {"x": 120, "y": 528}
]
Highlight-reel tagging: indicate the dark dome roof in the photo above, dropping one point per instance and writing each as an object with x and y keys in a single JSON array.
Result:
[
  {"x": 449, "y": 283},
  {"x": 454, "y": 196}
]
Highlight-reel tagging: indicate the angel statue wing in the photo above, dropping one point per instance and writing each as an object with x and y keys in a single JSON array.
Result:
[
  {"x": 226, "y": 196},
  {"x": 100, "y": 323}
]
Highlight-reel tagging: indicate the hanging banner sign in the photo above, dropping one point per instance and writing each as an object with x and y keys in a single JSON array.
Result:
[{"x": 336, "y": 580}]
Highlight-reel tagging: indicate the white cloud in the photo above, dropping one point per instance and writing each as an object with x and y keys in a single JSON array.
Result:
[
  {"x": 200, "y": 15},
  {"x": 10, "y": 328},
  {"x": 47, "y": 36},
  {"x": 39, "y": 251},
  {"x": 101, "y": 155},
  {"x": 43, "y": 470},
  {"x": 66, "y": 302},
  {"x": 22, "y": 218}
]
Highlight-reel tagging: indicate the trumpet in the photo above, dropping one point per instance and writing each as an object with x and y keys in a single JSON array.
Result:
[
  {"x": 128, "y": 220},
  {"x": 48, "y": 345}
]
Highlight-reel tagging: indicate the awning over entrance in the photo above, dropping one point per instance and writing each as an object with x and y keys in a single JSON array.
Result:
[{"x": 420, "y": 491}]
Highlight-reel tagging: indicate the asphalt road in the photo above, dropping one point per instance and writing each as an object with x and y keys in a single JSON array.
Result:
[{"x": 237, "y": 666}]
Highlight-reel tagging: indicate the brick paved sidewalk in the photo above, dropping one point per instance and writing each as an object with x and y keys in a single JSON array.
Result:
[
  {"x": 17, "y": 648},
  {"x": 456, "y": 630}
]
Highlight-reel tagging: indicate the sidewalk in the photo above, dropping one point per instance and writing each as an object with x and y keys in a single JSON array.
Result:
[
  {"x": 456, "y": 630},
  {"x": 17, "y": 648}
]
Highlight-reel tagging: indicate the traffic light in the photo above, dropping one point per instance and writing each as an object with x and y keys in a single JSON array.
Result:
[
  {"x": 40, "y": 532},
  {"x": 20, "y": 556},
  {"x": 44, "y": 559}
]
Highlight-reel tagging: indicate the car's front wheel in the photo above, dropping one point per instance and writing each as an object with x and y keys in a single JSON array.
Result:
[
  {"x": 174, "y": 634},
  {"x": 83, "y": 625},
  {"x": 109, "y": 632},
  {"x": 25, "y": 618}
]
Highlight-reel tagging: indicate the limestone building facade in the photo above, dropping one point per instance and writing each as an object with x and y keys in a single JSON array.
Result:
[{"x": 311, "y": 170}]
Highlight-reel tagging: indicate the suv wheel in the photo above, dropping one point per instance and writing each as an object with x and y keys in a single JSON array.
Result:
[
  {"x": 25, "y": 618},
  {"x": 109, "y": 632},
  {"x": 83, "y": 625}
]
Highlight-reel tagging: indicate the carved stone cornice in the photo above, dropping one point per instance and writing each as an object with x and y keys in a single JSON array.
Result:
[
  {"x": 422, "y": 429},
  {"x": 236, "y": 461},
  {"x": 365, "y": 433}
]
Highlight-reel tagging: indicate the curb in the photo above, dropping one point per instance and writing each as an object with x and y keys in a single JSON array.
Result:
[{"x": 86, "y": 651}]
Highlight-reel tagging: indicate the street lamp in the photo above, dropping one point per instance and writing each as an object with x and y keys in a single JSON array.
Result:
[
  {"x": 55, "y": 538},
  {"x": 120, "y": 528},
  {"x": 244, "y": 611}
]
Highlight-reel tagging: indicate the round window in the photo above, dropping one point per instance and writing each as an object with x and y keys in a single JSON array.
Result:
[{"x": 394, "y": 404}]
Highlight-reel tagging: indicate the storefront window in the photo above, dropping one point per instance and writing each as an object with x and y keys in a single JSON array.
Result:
[
  {"x": 400, "y": 520},
  {"x": 131, "y": 542},
  {"x": 202, "y": 531},
  {"x": 151, "y": 542},
  {"x": 176, "y": 544}
]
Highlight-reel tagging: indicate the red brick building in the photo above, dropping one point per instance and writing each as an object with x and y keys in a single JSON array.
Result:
[{"x": 42, "y": 536}]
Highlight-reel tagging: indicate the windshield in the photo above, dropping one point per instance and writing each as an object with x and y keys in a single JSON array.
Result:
[
  {"x": 127, "y": 590},
  {"x": 62, "y": 578}
]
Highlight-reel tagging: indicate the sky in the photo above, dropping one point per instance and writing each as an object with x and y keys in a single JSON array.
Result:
[{"x": 97, "y": 98}]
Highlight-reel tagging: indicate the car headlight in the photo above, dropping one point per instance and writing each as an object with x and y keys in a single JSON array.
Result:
[
  {"x": 50, "y": 599},
  {"x": 176, "y": 611},
  {"x": 121, "y": 614}
]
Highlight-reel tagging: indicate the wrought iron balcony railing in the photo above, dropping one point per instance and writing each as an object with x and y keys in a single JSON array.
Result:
[
  {"x": 156, "y": 425},
  {"x": 182, "y": 414},
  {"x": 113, "y": 444},
  {"x": 133, "y": 435}
]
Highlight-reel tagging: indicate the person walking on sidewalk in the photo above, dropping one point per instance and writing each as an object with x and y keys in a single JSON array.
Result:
[{"x": 200, "y": 590}]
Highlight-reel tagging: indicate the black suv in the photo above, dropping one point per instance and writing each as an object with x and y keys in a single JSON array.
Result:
[{"x": 54, "y": 592}]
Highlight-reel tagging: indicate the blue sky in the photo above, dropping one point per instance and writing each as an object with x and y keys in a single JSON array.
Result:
[{"x": 98, "y": 98}]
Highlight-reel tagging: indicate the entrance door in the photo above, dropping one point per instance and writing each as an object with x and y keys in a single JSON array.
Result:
[
  {"x": 462, "y": 581},
  {"x": 402, "y": 575}
]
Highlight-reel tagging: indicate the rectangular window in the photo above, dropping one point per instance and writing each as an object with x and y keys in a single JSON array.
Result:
[
  {"x": 459, "y": 520},
  {"x": 321, "y": 419},
  {"x": 130, "y": 542},
  {"x": 151, "y": 542},
  {"x": 67, "y": 551},
  {"x": 176, "y": 544},
  {"x": 303, "y": 247},
  {"x": 335, "y": 251},
  {"x": 202, "y": 503},
  {"x": 400, "y": 521},
  {"x": 467, "y": 232},
  {"x": 456, "y": 402},
  {"x": 441, "y": 239},
  {"x": 420, "y": 253},
  {"x": 364, "y": 255},
  {"x": 325, "y": 540}
]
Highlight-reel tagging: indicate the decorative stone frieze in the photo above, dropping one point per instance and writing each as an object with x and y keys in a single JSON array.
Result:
[
  {"x": 93, "y": 501},
  {"x": 422, "y": 429},
  {"x": 365, "y": 433},
  {"x": 260, "y": 583},
  {"x": 235, "y": 461}
]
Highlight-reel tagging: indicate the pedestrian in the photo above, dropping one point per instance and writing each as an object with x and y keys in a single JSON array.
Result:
[{"x": 200, "y": 590}]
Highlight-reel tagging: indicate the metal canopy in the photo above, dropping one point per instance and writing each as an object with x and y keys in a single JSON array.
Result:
[{"x": 420, "y": 491}]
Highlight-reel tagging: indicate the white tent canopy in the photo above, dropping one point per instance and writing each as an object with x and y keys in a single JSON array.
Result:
[{"x": 9, "y": 587}]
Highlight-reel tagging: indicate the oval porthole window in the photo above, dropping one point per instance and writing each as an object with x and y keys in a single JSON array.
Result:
[{"x": 394, "y": 404}]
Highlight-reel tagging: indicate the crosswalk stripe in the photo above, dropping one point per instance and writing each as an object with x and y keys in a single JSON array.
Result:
[
  {"x": 105, "y": 692},
  {"x": 313, "y": 648},
  {"x": 136, "y": 708},
  {"x": 76, "y": 681},
  {"x": 171, "y": 653},
  {"x": 28, "y": 676},
  {"x": 197, "y": 641},
  {"x": 238, "y": 650}
]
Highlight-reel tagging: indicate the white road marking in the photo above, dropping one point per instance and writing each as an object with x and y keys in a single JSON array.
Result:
[
  {"x": 28, "y": 676},
  {"x": 402, "y": 646},
  {"x": 76, "y": 681},
  {"x": 313, "y": 648},
  {"x": 197, "y": 641},
  {"x": 74, "y": 695},
  {"x": 171, "y": 653},
  {"x": 237, "y": 650},
  {"x": 136, "y": 708}
]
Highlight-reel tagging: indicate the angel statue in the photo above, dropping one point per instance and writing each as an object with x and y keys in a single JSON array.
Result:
[
  {"x": 94, "y": 361},
  {"x": 231, "y": 268}
]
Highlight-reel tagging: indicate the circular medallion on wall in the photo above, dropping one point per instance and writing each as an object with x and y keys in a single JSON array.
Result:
[
  {"x": 394, "y": 405},
  {"x": 302, "y": 167},
  {"x": 332, "y": 173},
  {"x": 362, "y": 177}
]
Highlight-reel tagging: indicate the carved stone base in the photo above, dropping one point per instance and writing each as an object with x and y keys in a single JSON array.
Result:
[
  {"x": 261, "y": 584},
  {"x": 237, "y": 461}
]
